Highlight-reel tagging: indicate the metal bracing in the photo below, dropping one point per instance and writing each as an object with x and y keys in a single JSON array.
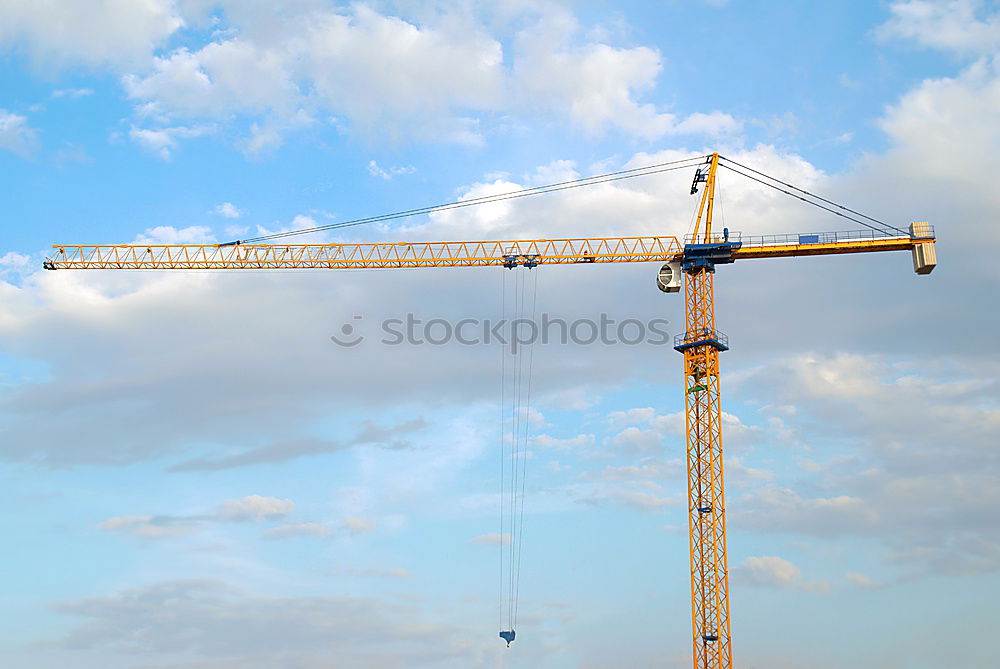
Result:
[
  {"x": 710, "y": 634},
  {"x": 706, "y": 500},
  {"x": 424, "y": 254},
  {"x": 496, "y": 253}
]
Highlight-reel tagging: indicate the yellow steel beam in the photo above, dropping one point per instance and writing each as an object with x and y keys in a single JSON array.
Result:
[
  {"x": 781, "y": 250},
  {"x": 362, "y": 255},
  {"x": 710, "y": 628},
  {"x": 431, "y": 254},
  {"x": 707, "y": 204}
]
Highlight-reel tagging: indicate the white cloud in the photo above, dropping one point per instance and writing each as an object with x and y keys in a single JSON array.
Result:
[
  {"x": 167, "y": 234},
  {"x": 72, "y": 92},
  {"x": 291, "y": 448},
  {"x": 932, "y": 125},
  {"x": 555, "y": 172},
  {"x": 964, "y": 552},
  {"x": 580, "y": 441},
  {"x": 71, "y": 154},
  {"x": 636, "y": 440},
  {"x": 869, "y": 397},
  {"x": 235, "y": 231},
  {"x": 221, "y": 77},
  {"x": 596, "y": 82},
  {"x": 386, "y": 75},
  {"x": 914, "y": 445},
  {"x": 862, "y": 581},
  {"x": 671, "y": 423},
  {"x": 387, "y": 174},
  {"x": 713, "y": 124},
  {"x": 262, "y": 138},
  {"x": 219, "y": 626},
  {"x": 250, "y": 508},
  {"x": 599, "y": 84},
  {"x": 16, "y": 135},
  {"x": 648, "y": 431},
  {"x": 648, "y": 469},
  {"x": 14, "y": 260},
  {"x": 149, "y": 527},
  {"x": 118, "y": 33},
  {"x": 371, "y": 63},
  {"x": 774, "y": 572},
  {"x": 778, "y": 509},
  {"x": 739, "y": 475},
  {"x": 395, "y": 573},
  {"x": 535, "y": 417},
  {"x": 358, "y": 525},
  {"x": 298, "y": 222},
  {"x": 640, "y": 499},
  {"x": 162, "y": 142},
  {"x": 770, "y": 571},
  {"x": 631, "y": 416},
  {"x": 297, "y": 530},
  {"x": 256, "y": 508},
  {"x": 402, "y": 79},
  {"x": 227, "y": 210},
  {"x": 494, "y": 539},
  {"x": 962, "y": 26}
]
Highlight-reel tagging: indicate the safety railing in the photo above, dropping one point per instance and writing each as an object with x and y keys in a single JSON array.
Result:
[
  {"x": 693, "y": 338},
  {"x": 803, "y": 237}
]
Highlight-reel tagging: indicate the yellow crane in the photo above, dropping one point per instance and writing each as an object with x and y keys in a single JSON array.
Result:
[{"x": 701, "y": 342}]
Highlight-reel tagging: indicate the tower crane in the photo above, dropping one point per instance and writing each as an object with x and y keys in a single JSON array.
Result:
[{"x": 692, "y": 262}]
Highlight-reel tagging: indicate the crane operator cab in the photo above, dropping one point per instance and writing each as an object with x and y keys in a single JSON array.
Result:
[{"x": 507, "y": 636}]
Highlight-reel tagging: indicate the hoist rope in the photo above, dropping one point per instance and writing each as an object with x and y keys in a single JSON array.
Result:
[
  {"x": 503, "y": 464},
  {"x": 883, "y": 230},
  {"x": 515, "y": 443},
  {"x": 515, "y": 411},
  {"x": 631, "y": 173},
  {"x": 524, "y": 457}
]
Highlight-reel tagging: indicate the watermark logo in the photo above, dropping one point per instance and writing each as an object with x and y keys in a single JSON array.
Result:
[
  {"x": 516, "y": 333},
  {"x": 349, "y": 336}
]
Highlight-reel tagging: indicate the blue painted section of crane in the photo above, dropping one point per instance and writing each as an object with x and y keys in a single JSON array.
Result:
[{"x": 697, "y": 256}]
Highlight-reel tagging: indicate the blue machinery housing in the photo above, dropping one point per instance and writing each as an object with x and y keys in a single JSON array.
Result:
[{"x": 708, "y": 256}]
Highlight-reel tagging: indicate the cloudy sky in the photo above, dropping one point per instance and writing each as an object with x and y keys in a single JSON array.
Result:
[{"x": 195, "y": 475}]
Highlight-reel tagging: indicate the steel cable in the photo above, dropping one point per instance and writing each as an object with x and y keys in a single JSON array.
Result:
[
  {"x": 812, "y": 195},
  {"x": 486, "y": 199}
]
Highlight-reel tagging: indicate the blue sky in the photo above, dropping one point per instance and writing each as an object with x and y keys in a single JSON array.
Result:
[{"x": 194, "y": 475}]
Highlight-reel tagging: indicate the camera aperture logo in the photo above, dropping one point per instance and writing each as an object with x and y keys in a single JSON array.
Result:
[
  {"x": 516, "y": 333},
  {"x": 349, "y": 336}
]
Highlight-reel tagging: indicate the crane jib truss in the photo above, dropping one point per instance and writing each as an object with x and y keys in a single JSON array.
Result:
[
  {"x": 700, "y": 343},
  {"x": 449, "y": 254}
]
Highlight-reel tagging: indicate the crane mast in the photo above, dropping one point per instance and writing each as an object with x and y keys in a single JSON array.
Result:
[
  {"x": 700, "y": 343},
  {"x": 706, "y": 496}
]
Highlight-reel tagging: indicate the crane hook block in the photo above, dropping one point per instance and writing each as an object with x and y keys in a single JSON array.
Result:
[{"x": 507, "y": 636}]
